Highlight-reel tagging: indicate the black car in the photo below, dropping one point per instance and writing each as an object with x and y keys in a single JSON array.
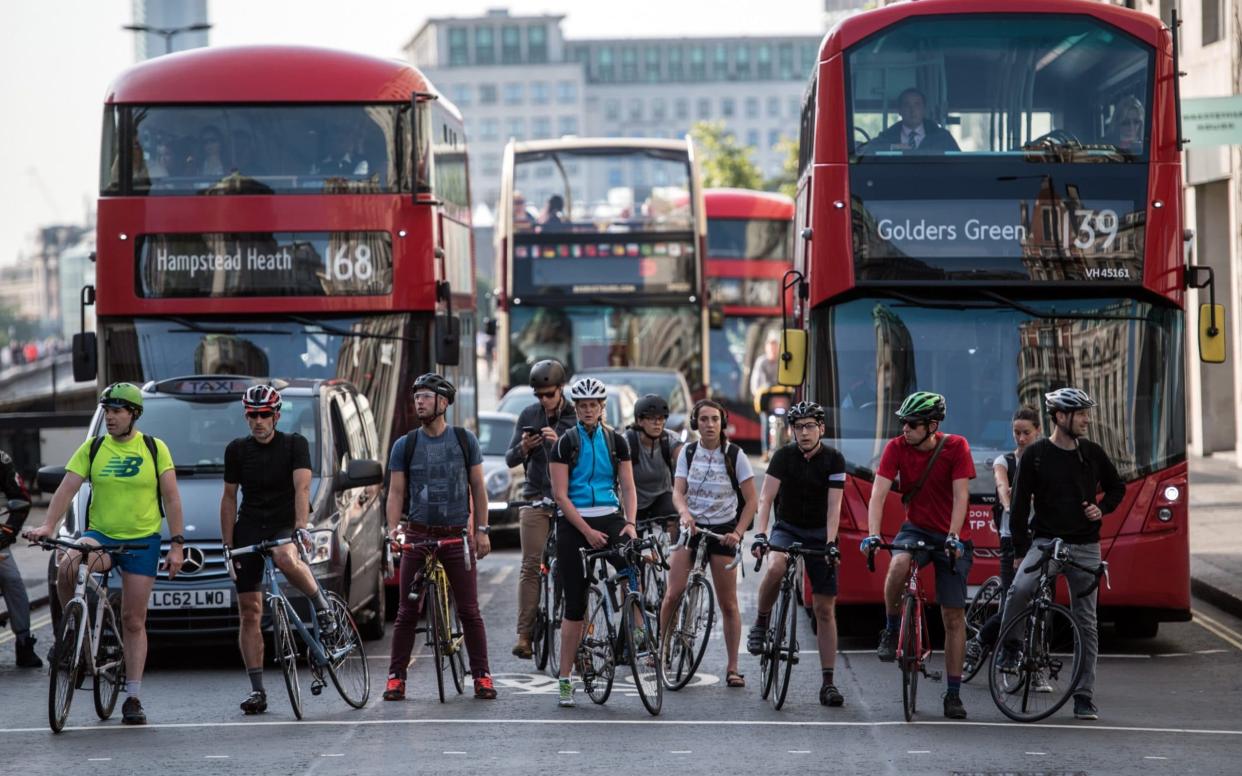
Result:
[{"x": 197, "y": 417}]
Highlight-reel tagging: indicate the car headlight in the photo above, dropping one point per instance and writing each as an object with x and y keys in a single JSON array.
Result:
[
  {"x": 321, "y": 547},
  {"x": 498, "y": 483}
]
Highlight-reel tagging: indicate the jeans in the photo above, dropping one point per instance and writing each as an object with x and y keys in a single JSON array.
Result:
[
  {"x": 14, "y": 595},
  {"x": 534, "y": 524},
  {"x": 1082, "y": 609}
]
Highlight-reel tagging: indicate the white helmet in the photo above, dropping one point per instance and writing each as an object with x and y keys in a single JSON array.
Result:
[
  {"x": 1067, "y": 400},
  {"x": 588, "y": 388}
]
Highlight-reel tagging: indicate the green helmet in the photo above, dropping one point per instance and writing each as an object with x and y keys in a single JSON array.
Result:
[
  {"x": 922, "y": 405},
  {"x": 126, "y": 395}
]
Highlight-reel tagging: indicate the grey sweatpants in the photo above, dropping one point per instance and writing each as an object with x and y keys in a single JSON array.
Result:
[{"x": 14, "y": 591}]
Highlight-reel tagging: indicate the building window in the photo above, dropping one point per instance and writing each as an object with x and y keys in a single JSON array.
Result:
[
  {"x": 629, "y": 64},
  {"x": 720, "y": 62},
  {"x": 794, "y": 107},
  {"x": 537, "y": 44},
  {"x": 1211, "y": 21},
  {"x": 681, "y": 108},
  {"x": 784, "y": 54},
  {"x": 540, "y": 128},
  {"x": 484, "y": 46},
  {"x": 764, "y": 57},
  {"x": 774, "y": 107},
  {"x": 752, "y": 138},
  {"x": 752, "y": 107},
  {"x": 513, "y": 94},
  {"x": 459, "y": 52},
  {"x": 487, "y": 94},
  {"x": 674, "y": 64},
  {"x": 727, "y": 107},
  {"x": 460, "y": 94},
  {"x": 657, "y": 108},
  {"x": 741, "y": 61},
  {"x": 698, "y": 64},
  {"x": 539, "y": 92},
  {"x": 567, "y": 125},
  {"x": 774, "y": 137},
  {"x": 510, "y": 44},
  {"x": 566, "y": 92},
  {"x": 705, "y": 108},
  {"x": 489, "y": 129},
  {"x": 653, "y": 64},
  {"x": 604, "y": 70},
  {"x": 810, "y": 52},
  {"x": 491, "y": 164},
  {"x": 612, "y": 110},
  {"x": 636, "y": 109},
  {"x": 516, "y": 128}
]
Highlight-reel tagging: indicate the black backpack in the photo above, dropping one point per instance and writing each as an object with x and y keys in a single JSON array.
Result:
[
  {"x": 666, "y": 449},
  {"x": 411, "y": 441},
  {"x": 97, "y": 443},
  {"x": 730, "y": 457},
  {"x": 610, "y": 439}
]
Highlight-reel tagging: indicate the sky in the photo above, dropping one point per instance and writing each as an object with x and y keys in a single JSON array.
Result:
[{"x": 57, "y": 58}]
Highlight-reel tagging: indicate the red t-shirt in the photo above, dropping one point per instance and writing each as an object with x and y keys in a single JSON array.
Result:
[{"x": 932, "y": 507}]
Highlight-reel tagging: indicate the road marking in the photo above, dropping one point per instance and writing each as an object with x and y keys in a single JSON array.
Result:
[
  {"x": 799, "y": 751},
  {"x": 568, "y": 751},
  {"x": 1154, "y": 757},
  {"x": 341, "y": 754},
  {"x": 1212, "y": 625},
  {"x": 918, "y": 751},
  {"x": 452, "y": 752},
  {"x": 35, "y": 625},
  {"x": 216, "y": 757},
  {"x": 501, "y": 575},
  {"x": 98, "y": 759},
  {"x": 679, "y": 751},
  {"x": 1038, "y": 754}
]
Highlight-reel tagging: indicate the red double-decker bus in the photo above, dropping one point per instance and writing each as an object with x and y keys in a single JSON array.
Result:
[
  {"x": 993, "y": 196},
  {"x": 749, "y": 249},
  {"x": 287, "y": 212}
]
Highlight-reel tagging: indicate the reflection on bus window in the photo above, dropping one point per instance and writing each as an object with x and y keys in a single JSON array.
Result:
[{"x": 742, "y": 238}]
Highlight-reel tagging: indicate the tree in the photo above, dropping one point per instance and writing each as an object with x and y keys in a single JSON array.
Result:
[
  {"x": 725, "y": 162},
  {"x": 787, "y": 182}
]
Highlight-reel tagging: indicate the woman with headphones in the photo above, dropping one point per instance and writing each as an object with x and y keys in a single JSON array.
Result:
[{"x": 713, "y": 488}]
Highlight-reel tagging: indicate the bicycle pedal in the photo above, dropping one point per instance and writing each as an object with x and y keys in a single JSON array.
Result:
[
  {"x": 316, "y": 687},
  {"x": 935, "y": 676}
]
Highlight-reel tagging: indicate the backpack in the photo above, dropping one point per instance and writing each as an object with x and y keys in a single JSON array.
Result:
[
  {"x": 666, "y": 449},
  {"x": 97, "y": 443},
  {"x": 610, "y": 439},
  {"x": 1010, "y": 472},
  {"x": 411, "y": 441},
  {"x": 731, "y": 453}
]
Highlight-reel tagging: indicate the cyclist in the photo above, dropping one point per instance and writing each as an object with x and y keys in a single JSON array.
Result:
[
  {"x": 443, "y": 474},
  {"x": 714, "y": 489},
  {"x": 1062, "y": 474},
  {"x": 273, "y": 471},
  {"x": 590, "y": 462},
  {"x": 11, "y": 584},
  {"x": 550, "y": 416},
  {"x": 654, "y": 451},
  {"x": 935, "y": 470},
  {"x": 1004, "y": 471},
  {"x": 133, "y": 484},
  {"x": 805, "y": 481}
]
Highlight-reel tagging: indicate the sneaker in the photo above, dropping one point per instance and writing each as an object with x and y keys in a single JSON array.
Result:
[
  {"x": 26, "y": 657},
  {"x": 1007, "y": 660},
  {"x": 755, "y": 638},
  {"x": 522, "y": 648},
  {"x": 1084, "y": 708},
  {"x": 974, "y": 654},
  {"x": 255, "y": 703},
  {"x": 1039, "y": 681},
  {"x": 132, "y": 713},
  {"x": 887, "y": 649},
  {"x": 484, "y": 689},
  {"x": 829, "y": 695},
  {"x": 953, "y": 708},
  {"x": 566, "y": 694},
  {"x": 395, "y": 691},
  {"x": 327, "y": 622}
]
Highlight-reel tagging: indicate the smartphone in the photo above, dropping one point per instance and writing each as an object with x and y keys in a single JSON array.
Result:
[{"x": 530, "y": 430}]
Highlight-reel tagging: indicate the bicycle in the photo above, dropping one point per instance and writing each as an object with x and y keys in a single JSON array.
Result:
[
  {"x": 780, "y": 646},
  {"x": 340, "y": 654},
  {"x": 442, "y": 626},
  {"x": 655, "y": 563},
  {"x": 913, "y": 639},
  {"x": 986, "y": 603},
  {"x": 683, "y": 641},
  {"x": 546, "y": 633},
  {"x": 1035, "y": 642},
  {"x": 597, "y": 653},
  {"x": 87, "y": 643}
]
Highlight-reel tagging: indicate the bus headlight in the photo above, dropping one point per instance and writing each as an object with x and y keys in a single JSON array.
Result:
[
  {"x": 497, "y": 483},
  {"x": 1164, "y": 514},
  {"x": 1172, "y": 493},
  {"x": 321, "y": 547}
]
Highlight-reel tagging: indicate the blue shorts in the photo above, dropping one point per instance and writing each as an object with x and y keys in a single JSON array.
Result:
[
  {"x": 141, "y": 562},
  {"x": 950, "y": 587},
  {"x": 823, "y": 575}
]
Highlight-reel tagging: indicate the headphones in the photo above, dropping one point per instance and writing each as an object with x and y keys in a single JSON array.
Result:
[{"x": 700, "y": 404}]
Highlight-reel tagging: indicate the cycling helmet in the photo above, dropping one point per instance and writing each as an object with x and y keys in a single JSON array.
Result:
[
  {"x": 922, "y": 405},
  {"x": 651, "y": 405},
  {"x": 261, "y": 397},
  {"x": 806, "y": 409},
  {"x": 588, "y": 388},
  {"x": 122, "y": 396},
  {"x": 1068, "y": 400},
  {"x": 436, "y": 384},
  {"x": 547, "y": 374}
]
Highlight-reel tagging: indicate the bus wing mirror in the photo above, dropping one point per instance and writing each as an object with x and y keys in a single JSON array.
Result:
[
  {"x": 85, "y": 357},
  {"x": 792, "y": 367},
  {"x": 715, "y": 316},
  {"x": 1212, "y": 333},
  {"x": 448, "y": 340},
  {"x": 359, "y": 473}
]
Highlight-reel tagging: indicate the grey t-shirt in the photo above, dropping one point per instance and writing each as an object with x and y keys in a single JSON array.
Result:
[
  {"x": 438, "y": 478},
  {"x": 652, "y": 477}
]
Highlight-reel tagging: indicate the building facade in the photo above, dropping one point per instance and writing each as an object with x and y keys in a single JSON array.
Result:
[{"x": 171, "y": 16}]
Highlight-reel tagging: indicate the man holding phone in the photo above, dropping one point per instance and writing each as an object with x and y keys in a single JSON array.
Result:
[{"x": 538, "y": 428}]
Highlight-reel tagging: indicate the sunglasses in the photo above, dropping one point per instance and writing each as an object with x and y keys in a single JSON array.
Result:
[
  {"x": 265, "y": 414},
  {"x": 913, "y": 423},
  {"x": 545, "y": 394}
]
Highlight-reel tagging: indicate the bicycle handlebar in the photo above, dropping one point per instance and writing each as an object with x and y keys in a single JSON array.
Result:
[
  {"x": 919, "y": 546},
  {"x": 446, "y": 541},
  {"x": 1057, "y": 550},
  {"x": 796, "y": 549},
  {"x": 545, "y": 502},
  {"x": 116, "y": 549},
  {"x": 683, "y": 541}
]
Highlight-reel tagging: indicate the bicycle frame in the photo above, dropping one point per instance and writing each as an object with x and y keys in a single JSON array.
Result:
[
  {"x": 89, "y": 628},
  {"x": 913, "y": 590}
]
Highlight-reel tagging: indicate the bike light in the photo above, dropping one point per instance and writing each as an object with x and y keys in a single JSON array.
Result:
[
  {"x": 498, "y": 483},
  {"x": 321, "y": 547},
  {"x": 1165, "y": 514},
  {"x": 1172, "y": 493}
]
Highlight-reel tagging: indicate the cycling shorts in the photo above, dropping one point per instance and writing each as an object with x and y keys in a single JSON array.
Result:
[
  {"x": 823, "y": 574},
  {"x": 248, "y": 568},
  {"x": 950, "y": 587},
  {"x": 143, "y": 563}
]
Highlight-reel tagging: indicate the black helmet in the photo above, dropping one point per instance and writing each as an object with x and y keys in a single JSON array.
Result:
[
  {"x": 806, "y": 409},
  {"x": 651, "y": 405},
  {"x": 436, "y": 384},
  {"x": 548, "y": 373}
]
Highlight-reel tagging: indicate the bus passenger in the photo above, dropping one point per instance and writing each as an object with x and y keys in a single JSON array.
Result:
[
  {"x": 552, "y": 219},
  {"x": 1125, "y": 130},
  {"x": 915, "y": 133}
]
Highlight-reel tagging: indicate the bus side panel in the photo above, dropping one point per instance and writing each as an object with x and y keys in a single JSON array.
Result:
[
  {"x": 831, "y": 241},
  {"x": 1162, "y": 269}
]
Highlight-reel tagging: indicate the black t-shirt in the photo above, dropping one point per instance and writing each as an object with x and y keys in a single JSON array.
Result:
[
  {"x": 802, "y": 500},
  {"x": 265, "y": 474}
]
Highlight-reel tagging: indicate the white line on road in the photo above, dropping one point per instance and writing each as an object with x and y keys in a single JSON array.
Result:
[
  {"x": 918, "y": 751},
  {"x": 680, "y": 751},
  {"x": 1154, "y": 757},
  {"x": 1037, "y": 754},
  {"x": 568, "y": 751},
  {"x": 453, "y": 752},
  {"x": 502, "y": 575},
  {"x": 799, "y": 751},
  {"x": 36, "y": 624},
  {"x": 339, "y": 754},
  {"x": 98, "y": 759},
  {"x": 216, "y": 757}
]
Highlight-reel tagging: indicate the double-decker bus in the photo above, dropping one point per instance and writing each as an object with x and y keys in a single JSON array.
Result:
[
  {"x": 599, "y": 250},
  {"x": 993, "y": 196},
  {"x": 287, "y": 212},
  {"x": 749, "y": 249}
]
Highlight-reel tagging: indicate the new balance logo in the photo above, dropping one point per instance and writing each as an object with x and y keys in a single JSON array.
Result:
[{"x": 122, "y": 467}]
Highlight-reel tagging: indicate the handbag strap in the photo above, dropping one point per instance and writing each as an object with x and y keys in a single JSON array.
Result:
[{"x": 908, "y": 496}]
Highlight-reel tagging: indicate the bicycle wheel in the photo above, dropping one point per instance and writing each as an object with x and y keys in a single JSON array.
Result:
[
  {"x": 784, "y": 649},
  {"x": 109, "y": 665},
  {"x": 596, "y": 654},
  {"x": 539, "y": 632},
  {"x": 985, "y": 603},
  {"x": 644, "y": 654},
  {"x": 286, "y": 652},
  {"x": 347, "y": 662},
  {"x": 456, "y": 647},
  {"x": 767, "y": 669},
  {"x": 684, "y": 643},
  {"x": 66, "y": 662},
  {"x": 1035, "y": 676},
  {"x": 556, "y": 614},
  {"x": 911, "y": 647},
  {"x": 435, "y": 635}
]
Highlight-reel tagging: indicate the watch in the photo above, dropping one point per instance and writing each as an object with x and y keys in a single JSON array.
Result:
[
  {"x": 176, "y": 539},
  {"x": 483, "y": 529}
]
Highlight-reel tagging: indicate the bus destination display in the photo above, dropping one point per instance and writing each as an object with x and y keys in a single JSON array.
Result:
[{"x": 571, "y": 268}]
